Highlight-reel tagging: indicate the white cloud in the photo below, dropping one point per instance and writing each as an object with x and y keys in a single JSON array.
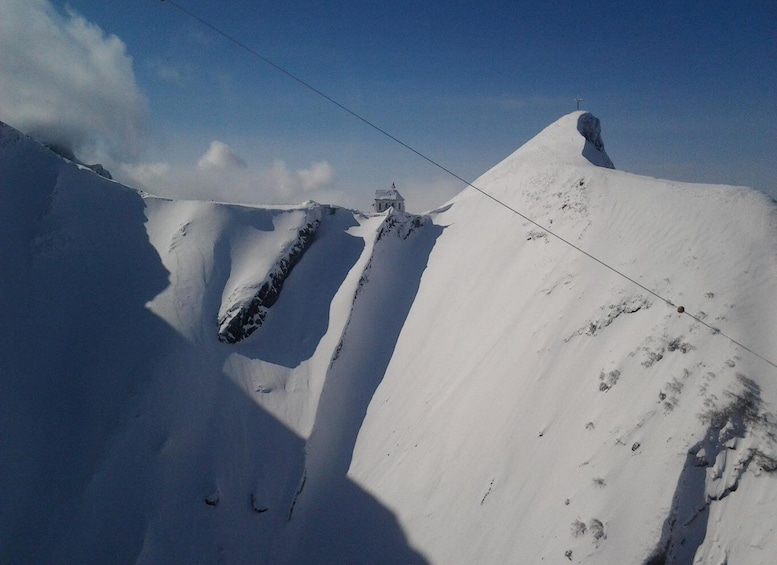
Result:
[
  {"x": 319, "y": 175},
  {"x": 220, "y": 157},
  {"x": 221, "y": 175},
  {"x": 281, "y": 180},
  {"x": 278, "y": 183},
  {"x": 288, "y": 184},
  {"x": 423, "y": 195},
  {"x": 63, "y": 80},
  {"x": 145, "y": 175}
]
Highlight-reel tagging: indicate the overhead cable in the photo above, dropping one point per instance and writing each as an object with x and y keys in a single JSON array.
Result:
[{"x": 385, "y": 133}]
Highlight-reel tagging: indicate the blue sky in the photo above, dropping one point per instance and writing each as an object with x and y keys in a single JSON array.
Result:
[{"x": 685, "y": 90}]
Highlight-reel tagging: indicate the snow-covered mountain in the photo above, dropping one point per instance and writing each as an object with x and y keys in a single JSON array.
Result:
[{"x": 195, "y": 382}]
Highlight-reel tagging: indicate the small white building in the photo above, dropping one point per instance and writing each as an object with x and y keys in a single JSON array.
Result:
[{"x": 385, "y": 199}]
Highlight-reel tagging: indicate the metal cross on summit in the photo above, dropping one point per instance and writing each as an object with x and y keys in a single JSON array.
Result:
[{"x": 578, "y": 100}]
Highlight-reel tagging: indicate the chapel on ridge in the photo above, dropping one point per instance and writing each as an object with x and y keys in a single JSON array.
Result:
[{"x": 385, "y": 199}]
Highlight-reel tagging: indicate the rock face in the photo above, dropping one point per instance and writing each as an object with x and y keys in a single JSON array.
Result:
[
  {"x": 67, "y": 153},
  {"x": 100, "y": 170},
  {"x": 241, "y": 319},
  {"x": 589, "y": 127}
]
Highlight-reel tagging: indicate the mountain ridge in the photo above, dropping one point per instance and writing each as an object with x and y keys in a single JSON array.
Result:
[{"x": 459, "y": 386}]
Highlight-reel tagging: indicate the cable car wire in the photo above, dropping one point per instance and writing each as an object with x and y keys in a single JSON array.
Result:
[{"x": 309, "y": 86}]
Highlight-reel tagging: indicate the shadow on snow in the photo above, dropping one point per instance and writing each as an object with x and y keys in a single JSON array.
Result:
[
  {"x": 115, "y": 430},
  {"x": 377, "y": 318}
]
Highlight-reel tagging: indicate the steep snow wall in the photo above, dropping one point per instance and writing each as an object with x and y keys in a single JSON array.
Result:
[
  {"x": 539, "y": 407},
  {"x": 323, "y": 513}
]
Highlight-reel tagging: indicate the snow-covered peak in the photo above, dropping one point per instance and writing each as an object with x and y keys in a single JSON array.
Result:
[
  {"x": 571, "y": 145},
  {"x": 574, "y": 139}
]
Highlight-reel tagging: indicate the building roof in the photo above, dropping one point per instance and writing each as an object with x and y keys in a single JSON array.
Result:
[{"x": 392, "y": 194}]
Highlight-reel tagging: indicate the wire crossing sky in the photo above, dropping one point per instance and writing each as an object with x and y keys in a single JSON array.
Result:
[
  {"x": 684, "y": 90},
  {"x": 485, "y": 193},
  {"x": 465, "y": 84}
]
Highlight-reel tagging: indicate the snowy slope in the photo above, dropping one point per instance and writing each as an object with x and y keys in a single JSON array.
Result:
[
  {"x": 537, "y": 403},
  {"x": 130, "y": 432},
  {"x": 198, "y": 382}
]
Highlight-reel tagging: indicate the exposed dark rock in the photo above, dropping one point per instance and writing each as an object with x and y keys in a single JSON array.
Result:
[
  {"x": 64, "y": 150},
  {"x": 241, "y": 321},
  {"x": 213, "y": 499},
  {"x": 685, "y": 528},
  {"x": 401, "y": 224},
  {"x": 256, "y": 504},
  {"x": 590, "y": 128},
  {"x": 102, "y": 171}
]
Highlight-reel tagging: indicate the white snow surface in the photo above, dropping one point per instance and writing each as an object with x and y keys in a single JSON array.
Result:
[{"x": 460, "y": 387}]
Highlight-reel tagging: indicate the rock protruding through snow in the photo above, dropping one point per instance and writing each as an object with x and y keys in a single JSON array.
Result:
[
  {"x": 590, "y": 128},
  {"x": 243, "y": 317}
]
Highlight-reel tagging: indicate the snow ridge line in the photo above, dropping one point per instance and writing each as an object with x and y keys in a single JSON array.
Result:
[
  {"x": 298, "y": 492},
  {"x": 404, "y": 224},
  {"x": 384, "y": 132},
  {"x": 8, "y": 135},
  {"x": 329, "y": 447}
]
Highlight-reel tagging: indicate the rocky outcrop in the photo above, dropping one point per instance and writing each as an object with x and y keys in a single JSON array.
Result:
[
  {"x": 713, "y": 470},
  {"x": 243, "y": 318},
  {"x": 65, "y": 151},
  {"x": 100, "y": 170},
  {"x": 590, "y": 128}
]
